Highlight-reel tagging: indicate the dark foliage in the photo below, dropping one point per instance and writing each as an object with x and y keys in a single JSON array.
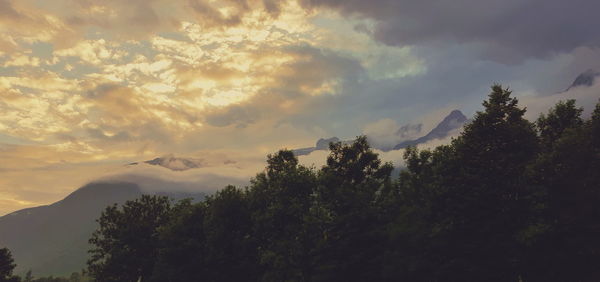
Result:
[
  {"x": 126, "y": 244},
  {"x": 7, "y": 265}
]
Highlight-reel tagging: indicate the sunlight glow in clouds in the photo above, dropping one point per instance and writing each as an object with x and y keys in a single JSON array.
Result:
[
  {"x": 88, "y": 86},
  {"x": 84, "y": 81}
]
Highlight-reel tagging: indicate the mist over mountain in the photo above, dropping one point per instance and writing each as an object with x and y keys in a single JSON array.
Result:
[
  {"x": 322, "y": 144},
  {"x": 53, "y": 239},
  {"x": 455, "y": 120}
]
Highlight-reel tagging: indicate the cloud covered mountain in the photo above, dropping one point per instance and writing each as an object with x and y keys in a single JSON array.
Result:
[
  {"x": 175, "y": 163},
  {"x": 453, "y": 121},
  {"x": 322, "y": 144}
]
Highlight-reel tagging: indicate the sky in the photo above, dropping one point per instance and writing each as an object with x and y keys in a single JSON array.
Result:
[{"x": 87, "y": 87}]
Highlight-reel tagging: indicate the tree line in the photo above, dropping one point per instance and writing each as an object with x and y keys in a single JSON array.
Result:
[{"x": 506, "y": 200}]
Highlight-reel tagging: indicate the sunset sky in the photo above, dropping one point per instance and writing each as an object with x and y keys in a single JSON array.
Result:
[{"x": 89, "y": 86}]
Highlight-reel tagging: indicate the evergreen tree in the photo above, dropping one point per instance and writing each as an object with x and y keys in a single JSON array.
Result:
[
  {"x": 464, "y": 204},
  {"x": 487, "y": 196}
]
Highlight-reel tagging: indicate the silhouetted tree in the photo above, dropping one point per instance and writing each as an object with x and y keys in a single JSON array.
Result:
[
  {"x": 418, "y": 231},
  {"x": 231, "y": 253},
  {"x": 182, "y": 253},
  {"x": 564, "y": 116},
  {"x": 7, "y": 265},
  {"x": 280, "y": 201},
  {"x": 465, "y": 204},
  {"x": 125, "y": 245},
  {"x": 349, "y": 185},
  {"x": 28, "y": 276},
  {"x": 487, "y": 199},
  {"x": 566, "y": 245}
]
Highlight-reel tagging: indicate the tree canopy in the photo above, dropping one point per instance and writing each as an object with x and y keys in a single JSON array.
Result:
[{"x": 7, "y": 265}]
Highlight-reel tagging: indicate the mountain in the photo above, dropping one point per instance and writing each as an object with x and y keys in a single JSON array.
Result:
[
  {"x": 586, "y": 79},
  {"x": 174, "y": 163},
  {"x": 456, "y": 119},
  {"x": 53, "y": 239}
]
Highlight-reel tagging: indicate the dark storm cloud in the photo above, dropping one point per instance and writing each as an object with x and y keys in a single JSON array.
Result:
[{"x": 507, "y": 31}]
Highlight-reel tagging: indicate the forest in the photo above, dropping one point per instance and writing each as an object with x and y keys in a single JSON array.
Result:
[{"x": 507, "y": 200}]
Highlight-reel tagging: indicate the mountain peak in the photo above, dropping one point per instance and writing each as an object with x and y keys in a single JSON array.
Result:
[
  {"x": 585, "y": 78},
  {"x": 452, "y": 121},
  {"x": 455, "y": 119},
  {"x": 174, "y": 163},
  {"x": 455, "y": 115}
]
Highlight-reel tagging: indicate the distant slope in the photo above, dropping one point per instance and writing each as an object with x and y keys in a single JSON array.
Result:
[{"x": 52, "y": 240}]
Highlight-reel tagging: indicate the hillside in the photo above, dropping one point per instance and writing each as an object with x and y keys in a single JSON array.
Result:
[{"x": 53, "y": 239}]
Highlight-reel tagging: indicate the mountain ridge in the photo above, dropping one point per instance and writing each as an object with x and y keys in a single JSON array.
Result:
[
  {"x": 586, "y": 78},
  {"x": 454, "y": 120}
]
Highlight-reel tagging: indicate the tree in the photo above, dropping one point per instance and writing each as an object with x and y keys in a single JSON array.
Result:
[
  {"x": 464, "y": 205},
  {"x": 418, "y": 229},
  {"x": 348, "y": 192},
  {"x": 7, "y": 265},
  {"x": 280, "y": 201},
  {"x": 125, "y": 245},
  {"x": 28, "y": 276},
  {"x": 594, "y": 125},
  {"x": 182, "y": 254},
  {"x": 565, "y": 246},
  {"x": 486, "y": 197},
  {"x": 231, "y": 252},
  {"x": 562, "y": 117}
]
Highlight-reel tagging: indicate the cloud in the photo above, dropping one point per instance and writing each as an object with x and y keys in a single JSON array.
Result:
[
  {"x": 586, "y": 97},
  {"x": 86, "y": 85},
  {"x": 58, "y": 172},
  {"x": 387, "y": 133},
  {"x": 239, "y": 115},
  {"x": 506, "y": 31},
  {"x": 304, "y": 75}
]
